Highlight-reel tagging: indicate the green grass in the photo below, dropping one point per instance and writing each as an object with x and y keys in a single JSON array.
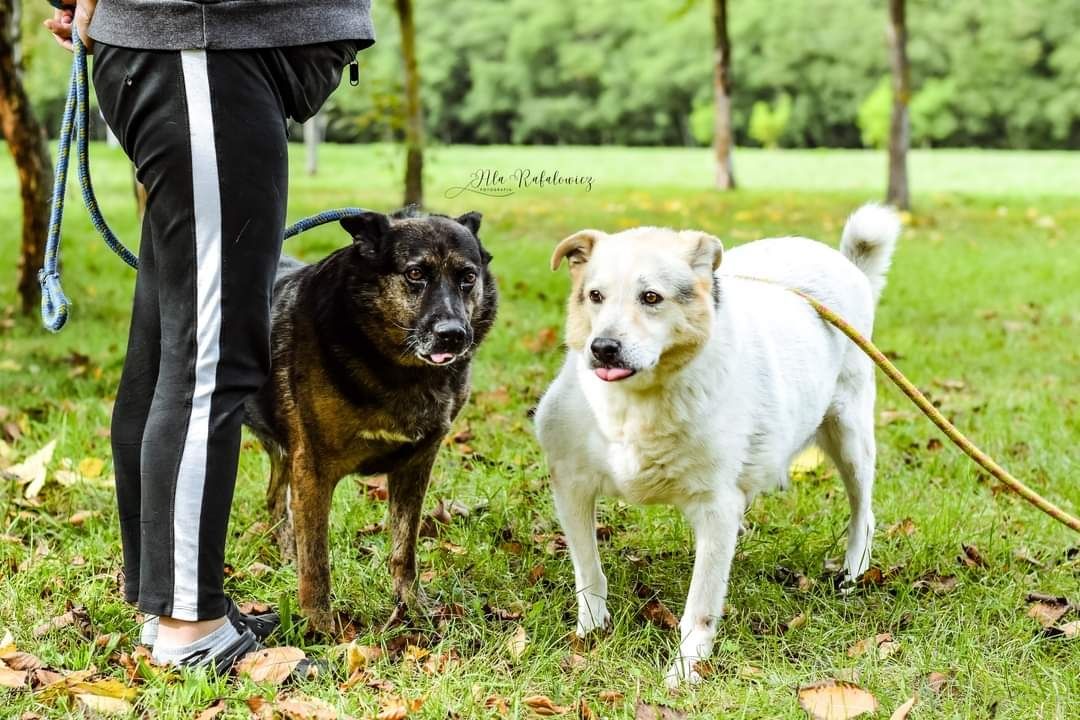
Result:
[{"x": 985, "y": 289}]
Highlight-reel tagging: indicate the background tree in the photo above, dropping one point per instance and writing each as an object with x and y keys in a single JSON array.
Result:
[
  {"x": 414, "y": 114},
  {"x": 723, "y": 136},
  {"x": 899, "y": 127},
  {"x": 27, "y": 142}
]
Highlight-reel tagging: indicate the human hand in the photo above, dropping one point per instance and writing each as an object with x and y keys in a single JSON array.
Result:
[{"x": 60, "y": 24}]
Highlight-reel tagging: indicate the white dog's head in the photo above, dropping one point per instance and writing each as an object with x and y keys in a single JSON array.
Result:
[{"x": 642, "y": 299}]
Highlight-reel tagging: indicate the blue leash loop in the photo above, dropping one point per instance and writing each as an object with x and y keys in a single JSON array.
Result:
[{"x": 55, "y": 305}]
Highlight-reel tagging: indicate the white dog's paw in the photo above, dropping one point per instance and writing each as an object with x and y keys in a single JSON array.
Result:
[
  {"x": 682, "y": 671},
  {"x": 593, "y": 617}
]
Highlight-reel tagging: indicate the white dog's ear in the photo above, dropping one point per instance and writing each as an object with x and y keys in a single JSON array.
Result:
[
  {"x": 576, "y": 249},
  {"x": 706, "y": 252}
]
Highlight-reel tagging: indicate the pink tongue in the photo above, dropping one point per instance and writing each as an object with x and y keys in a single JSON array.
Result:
[
  {"x": 440, "y": 358},
  {"x": 613, "y": 374}
]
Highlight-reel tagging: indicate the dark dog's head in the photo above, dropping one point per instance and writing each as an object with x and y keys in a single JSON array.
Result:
[{"x": 422, "y": 284}]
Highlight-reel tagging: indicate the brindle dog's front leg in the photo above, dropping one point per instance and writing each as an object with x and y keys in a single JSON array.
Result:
[
  {"x": 407, "y": 487},
  {"x": 310, "y": 501}
]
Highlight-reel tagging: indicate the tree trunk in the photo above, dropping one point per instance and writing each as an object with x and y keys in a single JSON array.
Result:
[
  {"x": 26, "y": 139},
  {"x": 899, "y": 128},
  {"x": 723, "y": 142},
  {"x": 414, "y": 116}
]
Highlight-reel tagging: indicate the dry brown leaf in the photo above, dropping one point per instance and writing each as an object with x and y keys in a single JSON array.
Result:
[
  {"x": 939, "y": 682},
  {"x": 82, "y": 516},
  {"x": 544, "y": 706},
  {"x": 517, "y": 642},
  {"x": 653, "y": 610},
  {"x": 904, "y": 527},
  {"x": 358, "y": 657},
  {"x": 273, "y": 665},
  {"x": 949, "y": 384},
  {"x": 536, "y": 574},
  {"x": 1068, "y": 631},
  {"x": 1046, "y": 609},
  {"x": 901, "y": 712},
  {"x": 304, "y": 708},
  {"x": 396, "y": 708},
  {"x": 938, "y": 584},
  {"x": 881, "y": 645},
  {"x": 498, "y": 704},
  {"x": 76, "y": 616},
  {"x": 645, "y": 711},
  {"x": 32, "y": 471},
  {"x": 375, "y": 487},
  {"x": 972, "y": 557},
  {"x": 104, "y": 706},
  {"x": 584, "y": 712},
  {"x": 213, "y": 710},
  {"x": 836, "y": 700},
  {"x": 888, "y": 417},
  {"x": 11, "y": 678},
  {"x": 794, "y": 623},
  {"x": 611, "y": 697}
]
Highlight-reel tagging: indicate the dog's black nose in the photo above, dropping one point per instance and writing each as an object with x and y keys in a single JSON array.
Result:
[
  {"x": 606, "y": 350},
  {"x": 451, "y": 333}
]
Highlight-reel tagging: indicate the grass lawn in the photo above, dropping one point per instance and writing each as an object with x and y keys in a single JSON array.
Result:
[{"x": 982, "y": 310}]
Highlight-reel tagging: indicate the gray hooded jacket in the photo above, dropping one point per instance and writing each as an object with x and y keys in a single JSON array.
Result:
[{"x": 230, "y": 24}]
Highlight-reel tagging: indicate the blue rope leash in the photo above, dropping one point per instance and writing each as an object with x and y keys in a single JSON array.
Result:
[{"x": 55, "y": 305}]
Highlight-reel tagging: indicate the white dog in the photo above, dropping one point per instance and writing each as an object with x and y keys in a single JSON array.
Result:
[{"x": 686, "y": 383}]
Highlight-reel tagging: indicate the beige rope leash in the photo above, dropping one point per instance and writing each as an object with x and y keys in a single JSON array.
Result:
[{"x": 909, "y": 389}]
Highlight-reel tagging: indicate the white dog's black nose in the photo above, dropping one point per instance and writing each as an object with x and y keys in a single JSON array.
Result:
[{"x": 606, "y": 350}]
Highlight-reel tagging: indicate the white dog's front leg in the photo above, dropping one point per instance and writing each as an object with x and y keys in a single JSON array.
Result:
[
  {"x": 716, "y": 529},
  {"x": 575, "y": 504}
]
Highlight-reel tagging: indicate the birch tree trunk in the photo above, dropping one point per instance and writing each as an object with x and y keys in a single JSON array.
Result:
[
  {"x": 414, "y": 115},
  {"x": 899, "y": 127},
  {"x": 723, "y": 141},
  {"x": 26, "y": 140}
]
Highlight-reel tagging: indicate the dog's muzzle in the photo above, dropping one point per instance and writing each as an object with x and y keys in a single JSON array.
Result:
[
  {"x": 607, "y": 360},
  {"x": 448, "y": 340}
]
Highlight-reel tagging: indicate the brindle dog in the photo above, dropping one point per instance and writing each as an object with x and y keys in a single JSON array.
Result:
[{"x": 371, "y": 349}]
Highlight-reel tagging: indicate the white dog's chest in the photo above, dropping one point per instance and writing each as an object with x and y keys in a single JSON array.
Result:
[{"x": 650, "y": 465}]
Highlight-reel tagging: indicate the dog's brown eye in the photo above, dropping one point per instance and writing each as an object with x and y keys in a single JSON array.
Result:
[
  {"x": 596, "y": 297},
  {"x": 651, "y": 298},
  {"x": 415, "y": 274},
  {"x": 469, "y": 279}
]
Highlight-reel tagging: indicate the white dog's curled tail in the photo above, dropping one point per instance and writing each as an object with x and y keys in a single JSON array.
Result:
[{"x": 868, "y": 241}]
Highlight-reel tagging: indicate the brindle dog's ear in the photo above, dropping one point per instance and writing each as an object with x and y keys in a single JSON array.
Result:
[
  {"x": 471, "y": 220},
  {"x": 367, "y": 227},
  {"x": 576, "y": 249}
]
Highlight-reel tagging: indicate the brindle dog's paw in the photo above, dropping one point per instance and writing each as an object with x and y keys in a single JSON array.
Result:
[
  {"x": 322, "y": 622},
  {"x": 413, "y": 609}
]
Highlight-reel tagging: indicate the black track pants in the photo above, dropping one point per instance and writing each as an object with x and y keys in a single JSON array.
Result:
[{"x": 207, "y": 133}]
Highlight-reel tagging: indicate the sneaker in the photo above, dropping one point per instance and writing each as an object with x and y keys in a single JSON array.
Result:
[{"x": 261, "y": 625}]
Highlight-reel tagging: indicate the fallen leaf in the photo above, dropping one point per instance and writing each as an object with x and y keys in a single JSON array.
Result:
[
  {"x": 546, "y": 339},
  {"x": 82, "y": 516},
  {"x": 91, "y": 467},
  {"x": 396, "y": 708},
  {"x": 375, "y": 487},
  {"x": 645, "y": 711},
  {"x": 938, "y": 584},
  {"x": 1047, "y": 609},
  {"x": 881, "y": 645},
  {"x": 305, "y": 708},
  {"x": 254, "y": 607},
  {"x": 32, "y": 470},
  {"x": 904, "y": 527},
  {"x": 76, "y": 616},
  {"x": 17, "y": 660},
  {"x": 11, "y": 678},
  {"x": 517, "y": 642},
  {"x": 808, "y": 460},
  {"x": 498, "y": 614},
  {"x": 584, "y": 712},
  {"x": 888, "y": 417},
  {"x": 257, "y": 569},
  {"x": 835, "y": 700},
  {"x": 793, "y": 624},
  {"x": 949, "y": 384},
  {"x": 901, "y": 712},
  {"x": 273, "y": 665},
  {"x": 1068, "y": 631},
  {"x": 358, "y": 657},
  {"x": 939, "y": 682},
  {"x": 543, "y": 705},
  {"x": 972, "y": 557},
  {"x": 536, "y": 574},
  {"x": 104, "y": 706},
  {"x": 213, "y": 710},
  {"x": 498, "y": 704},
  {"x": 654, "y": 611},
  {"x": 611, "y": 697}
]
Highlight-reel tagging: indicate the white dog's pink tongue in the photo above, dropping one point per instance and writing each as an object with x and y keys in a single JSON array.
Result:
[
  {"x": 612, "y": 374},
  {"x": 440, "y": 358}
]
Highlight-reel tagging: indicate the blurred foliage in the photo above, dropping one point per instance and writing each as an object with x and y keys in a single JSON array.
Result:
[
  {"x": 874, "y": 115},
  {"x": 994, "y": 73},
  {"x": 768, "y": 122}
]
